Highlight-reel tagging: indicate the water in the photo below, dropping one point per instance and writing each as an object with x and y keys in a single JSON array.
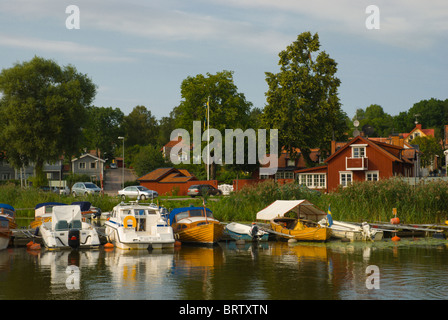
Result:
[{"x": 409, "y": 269}]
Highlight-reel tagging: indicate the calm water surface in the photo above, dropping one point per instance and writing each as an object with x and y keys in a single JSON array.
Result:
[{"x": 409, "y": 269}]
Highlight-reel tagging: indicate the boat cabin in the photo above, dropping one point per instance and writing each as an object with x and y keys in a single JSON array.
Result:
[{"x": 137, "y": 218}]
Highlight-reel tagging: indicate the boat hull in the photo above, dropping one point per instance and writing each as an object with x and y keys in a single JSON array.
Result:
[
  {"x": 307, "y": 234},
  {"x": 139, "y": 241},
  {"x": 242, "y": 232},
  {"x": 208, "y": 233},
  {"x": 59, "y": 240},
  {"x": 5, "y": 238}
]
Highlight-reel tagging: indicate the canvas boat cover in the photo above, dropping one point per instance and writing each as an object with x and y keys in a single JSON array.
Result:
[
  {"x": 303, "y": 208},
  {"x": 68, "y": 213}
]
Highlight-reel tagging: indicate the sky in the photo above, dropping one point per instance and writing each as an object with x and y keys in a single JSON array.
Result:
[{"x": 138, "y": 52}]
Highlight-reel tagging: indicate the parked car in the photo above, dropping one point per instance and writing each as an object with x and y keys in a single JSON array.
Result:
[
  {"x": 84, "y": 188},
  {"x": 138, "y": 192},
  {"x": 203, "y": 189}
]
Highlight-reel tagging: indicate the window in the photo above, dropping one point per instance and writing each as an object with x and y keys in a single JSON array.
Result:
[
  {"x": 345, "y": 178},
  {"x": 372, "y": 175},
  {"x": 92, "y": 165},
  {"x": 82, "y": 165},
  {"x": 312, "y": 181},
  {"x": 358, "y": 152}
]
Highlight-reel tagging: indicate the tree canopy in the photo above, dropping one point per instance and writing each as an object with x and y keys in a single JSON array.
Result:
[
  {"x": 302, "y": 99},
  {"x": 42, "y": 111}
]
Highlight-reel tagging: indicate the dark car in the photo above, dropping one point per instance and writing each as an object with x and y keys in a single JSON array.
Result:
[{"x": 203, "y": 189}]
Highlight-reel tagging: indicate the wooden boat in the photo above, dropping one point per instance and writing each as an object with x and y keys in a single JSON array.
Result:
[
  {"x": 7, "y": 223},
  {"x": 239, "y": 231},
  {"x": 195, "y": 225},
  {"x": 66, "y": 230},
  {"x": 295, "y": 219},
  {"x": 138, "y": 226}
]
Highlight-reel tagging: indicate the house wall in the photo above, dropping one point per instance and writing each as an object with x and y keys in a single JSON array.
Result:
[
  {"x": 167, "y": 188},
  {"x": 376, "y": 162},
  {"x": 87, "y": 167}
]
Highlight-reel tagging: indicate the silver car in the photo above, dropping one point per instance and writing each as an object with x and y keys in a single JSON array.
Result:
[
  {"x": 138, "y": 192},
  {"x": 84, "y": 188}
]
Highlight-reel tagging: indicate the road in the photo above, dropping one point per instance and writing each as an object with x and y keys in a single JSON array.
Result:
[{"x": 113, "y": 179}]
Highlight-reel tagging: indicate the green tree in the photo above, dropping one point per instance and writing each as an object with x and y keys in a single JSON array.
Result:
[
  {"x": 148, "y": 159},
  {"x": 229, "y": 108},
  {"x": 42, "y": 111},
  {"x": 375, "y": 117},
  {"x": 103, "y": 128},
  {"x": 140, "y": 127},
  {"x": 302, "y": 99},
  {"x": 429, "y": 148}
]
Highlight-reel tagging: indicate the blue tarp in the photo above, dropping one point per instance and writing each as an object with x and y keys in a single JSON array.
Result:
[{"x": 176, "y": 211}]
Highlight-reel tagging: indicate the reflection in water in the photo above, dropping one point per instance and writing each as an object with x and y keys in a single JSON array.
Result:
[{"x": 410, "y": 269}]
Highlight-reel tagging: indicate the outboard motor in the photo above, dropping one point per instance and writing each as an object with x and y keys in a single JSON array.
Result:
[
  {"x": 254, "y": 231},
  {"x": 73, "y": 238}
]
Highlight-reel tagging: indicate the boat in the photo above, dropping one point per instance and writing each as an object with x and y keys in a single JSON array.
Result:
[
  {"x": 7, "y": 223},
  {"x": 239, "y": 231},
  {"x": 87, "y": 210},
  {"x": 295, "y": 219},
  {"x": 43, "y": 212},
  {"x": 66, "y": 230},
  {"x": 138, "y": 226},
  {"x": 195, "y": 225},
  {"x": 353, "y": 232}
]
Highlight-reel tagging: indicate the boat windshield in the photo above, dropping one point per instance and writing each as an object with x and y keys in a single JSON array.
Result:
[{"x": 193, "y": 213}]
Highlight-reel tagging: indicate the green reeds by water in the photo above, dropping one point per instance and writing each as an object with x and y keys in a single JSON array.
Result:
[
  {"x": 361, "y": 201},
  {"x": 423, "y": 203}
]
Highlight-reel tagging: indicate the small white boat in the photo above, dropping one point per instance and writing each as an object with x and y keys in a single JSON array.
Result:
[
  {"x": 353, "y": 232},
  {"x": 7, "y": 223},
  {"x": 138, "y": 226},
  {"x": 66, "y": 230},
  {"x": 239, "y": 231}
]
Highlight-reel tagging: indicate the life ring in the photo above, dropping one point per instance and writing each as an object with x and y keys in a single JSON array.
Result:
[{"x": 125, "y": 221}]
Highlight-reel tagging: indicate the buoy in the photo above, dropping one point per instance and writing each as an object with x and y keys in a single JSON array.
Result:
[
  {"x": 29, "y": 244},
  {"x": 395, "y": 220},
  {"x": 108, "y": 245},
  {"x": 395, "y": 238},
  {"x": 177, "y": 243},
  {"x": 35, "y": 246}
]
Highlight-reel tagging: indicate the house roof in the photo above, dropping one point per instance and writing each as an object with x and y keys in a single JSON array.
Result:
[
  {"x": 88, "y": 155},
  {"x": 379, "y": 146},
  {"x": 167, "y": 175}
]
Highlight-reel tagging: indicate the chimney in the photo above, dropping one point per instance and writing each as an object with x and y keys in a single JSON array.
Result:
[{"x": 333, "y": 147}]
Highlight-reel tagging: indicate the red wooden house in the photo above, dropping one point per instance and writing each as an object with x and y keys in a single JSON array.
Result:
[{"x": 361, "y": 159}]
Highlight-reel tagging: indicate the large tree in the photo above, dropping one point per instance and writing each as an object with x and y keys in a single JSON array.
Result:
[
  {"x": 228, "y": 108},
  {"x": 42, "y": 111},
  {"x": 104, "y": 125},
  {"x": 302, "y": 99},
  {"x": 140, "y": 127}
]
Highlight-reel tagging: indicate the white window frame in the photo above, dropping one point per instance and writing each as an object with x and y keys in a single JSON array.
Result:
[
  {"x": 83, "y": 165},
  {"x": 313, "y": 180},
  {"x": 359, "y": 150},
  {"x": 373, "y": 173},
  {"x": 345, "y": 174}
]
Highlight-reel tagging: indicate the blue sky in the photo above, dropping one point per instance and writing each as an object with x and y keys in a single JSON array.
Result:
[{"x": 138, "y": 52}]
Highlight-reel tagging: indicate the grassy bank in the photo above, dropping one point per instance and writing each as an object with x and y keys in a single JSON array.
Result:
[{"x": 366, "y": 201}]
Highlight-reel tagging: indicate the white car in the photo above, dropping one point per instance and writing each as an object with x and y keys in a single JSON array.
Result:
[
  {"x": 138, "y": 192},
  {"x": 84, "y": 188}
]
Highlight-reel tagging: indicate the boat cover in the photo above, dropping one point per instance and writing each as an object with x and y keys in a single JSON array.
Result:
[
  {"x": 176, "y": 211},
  {"x": 67, "y": 213},
  {"x": 303, "y": 208}
]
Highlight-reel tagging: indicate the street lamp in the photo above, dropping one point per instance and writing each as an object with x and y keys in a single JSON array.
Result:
[{"x": 122, "y": 177}]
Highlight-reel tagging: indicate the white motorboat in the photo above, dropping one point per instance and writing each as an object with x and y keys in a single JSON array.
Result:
[
  {"x": 239, "y": 231},
  {"x": 7, "y": 223},
  {"x": 353, "y": 232},
  {"x": 138, "y": 226},
  {"x": 66, "y": 230}
]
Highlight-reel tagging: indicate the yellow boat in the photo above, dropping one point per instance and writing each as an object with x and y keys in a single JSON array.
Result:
[
  {"x": 298, "y": 230},
  {"x": 195, "y": 225},
  {"x": 295, "y": 219}
]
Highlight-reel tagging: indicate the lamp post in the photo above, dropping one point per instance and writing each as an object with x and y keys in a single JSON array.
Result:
[{"x": 122, "y": 176}]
